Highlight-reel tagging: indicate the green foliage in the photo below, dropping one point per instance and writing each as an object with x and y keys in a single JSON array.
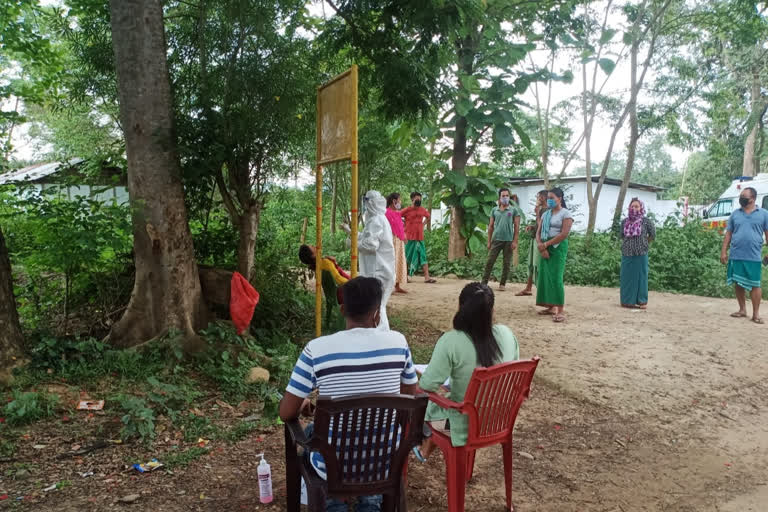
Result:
[
  {"x": 28, "y": 407},
  {"x": 138, "y": 419},
  {"x": 69, "y": 252},
  {"x": 184, "y": 458},
  {"x": 475, "y": 192}
]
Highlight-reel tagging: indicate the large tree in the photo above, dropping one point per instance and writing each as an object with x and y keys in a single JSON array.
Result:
[
  {"x": 459, "y": 63},
  {"x": 245, "y": 82},
  {"x": 166, "y": 293}
]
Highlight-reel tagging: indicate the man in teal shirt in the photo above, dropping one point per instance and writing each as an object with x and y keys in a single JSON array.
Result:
[
  {"x": 503, "y": 232},
  {"x": 747, "y": 226}
]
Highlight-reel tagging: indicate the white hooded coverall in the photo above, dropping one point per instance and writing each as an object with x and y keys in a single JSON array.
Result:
[{"x": 377, "y": 252}]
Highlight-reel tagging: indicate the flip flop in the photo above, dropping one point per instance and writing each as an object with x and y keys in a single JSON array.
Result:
[
  {"x": 739, "y": 314},
  {"x": 758, "y": 320},
  {"x": 545, "y": 312},
  {"x": 523, "y": 294},
  {"x": 558, "y": 318},
  {"x": 430, "y": 281},
  {"x": 418, "y": 455}
]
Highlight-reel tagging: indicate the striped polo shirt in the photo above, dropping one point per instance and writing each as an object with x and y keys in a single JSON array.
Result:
[{"x": 352, "y": 362}]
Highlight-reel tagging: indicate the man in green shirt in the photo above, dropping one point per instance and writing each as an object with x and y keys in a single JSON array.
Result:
[{"x": 503, "y": 232}]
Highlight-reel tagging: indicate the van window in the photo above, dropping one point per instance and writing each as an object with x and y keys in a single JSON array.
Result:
[
  {"x": 721, "y": 208},
  {"x": 765, "y": 202}
]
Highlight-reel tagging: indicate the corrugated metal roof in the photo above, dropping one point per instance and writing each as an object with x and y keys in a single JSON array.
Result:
[
  {"x": 36, "y": 172},
  {"x": 571, "y": 179}
]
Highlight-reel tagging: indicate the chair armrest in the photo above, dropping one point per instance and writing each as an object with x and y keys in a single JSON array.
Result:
[
  {"x": 297, "y": 433},
  {"x": 444, "y": 402}
]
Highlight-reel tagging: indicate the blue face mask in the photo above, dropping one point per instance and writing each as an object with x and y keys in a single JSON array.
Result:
[
  {"x": 551, "y": 203},
  {"x": 505, "y": 201}
]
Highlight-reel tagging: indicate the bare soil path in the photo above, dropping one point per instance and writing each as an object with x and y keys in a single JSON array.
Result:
[{"x": 657, "y": 410}]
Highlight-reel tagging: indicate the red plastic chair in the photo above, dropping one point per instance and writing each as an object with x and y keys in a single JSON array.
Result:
[{"x": 492, "y": 400}]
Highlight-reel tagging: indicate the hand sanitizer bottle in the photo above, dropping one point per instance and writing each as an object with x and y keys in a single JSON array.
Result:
[{"x": 265, "y": 480}]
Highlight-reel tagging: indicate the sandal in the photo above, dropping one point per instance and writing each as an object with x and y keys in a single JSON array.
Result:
[
  {"x": 739, "y": 314},
  {"x": 545, "y": 312},
  {"x": 430, "y": 280},
  {"x": 523, "y": 293},
  {"x": 418, "y": 455},
  {"x": 642, "y": 306},
  {"x": 502, "y": 288},
  {"x": 558, "y": 318},
  {"x": 758, "y": 320}
]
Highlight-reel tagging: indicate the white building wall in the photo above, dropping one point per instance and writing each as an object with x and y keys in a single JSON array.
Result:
[{"x": 576, "y": 200}]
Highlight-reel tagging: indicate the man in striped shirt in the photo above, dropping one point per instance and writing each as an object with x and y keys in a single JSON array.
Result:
[{"x": 360, "y": 359}]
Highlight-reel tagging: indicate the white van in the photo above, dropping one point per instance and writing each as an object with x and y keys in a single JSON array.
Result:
[{"x": 716, "y": 216}]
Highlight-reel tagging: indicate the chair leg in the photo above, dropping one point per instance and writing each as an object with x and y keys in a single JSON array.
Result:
[
  {"x": 402, "y": 502},
  {"x": 470, "y": 464},
  {"x": 507, "y": 447},
  {"x": 388, "y": 504},
  {"x": 292, "y": 475},
  {"x": 317, "y": 499},
  {"x": 456, "y": 470}
]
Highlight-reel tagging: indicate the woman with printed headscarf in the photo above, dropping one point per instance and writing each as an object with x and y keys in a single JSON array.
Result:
[
  {"x": 637, "y": 231},
  {"x": 377, "y": 252}
]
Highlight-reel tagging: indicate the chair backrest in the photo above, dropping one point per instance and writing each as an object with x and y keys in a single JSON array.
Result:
[
  {"x": 494, "y": 397},
  {"x": 365, "y": 439}
]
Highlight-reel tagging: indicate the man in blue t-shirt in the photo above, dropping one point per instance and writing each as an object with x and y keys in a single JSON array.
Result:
[{"x": 746, "y": 229}]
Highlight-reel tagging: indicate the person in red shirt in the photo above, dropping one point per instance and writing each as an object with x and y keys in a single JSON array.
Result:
[{"x": 416, "y": 218}]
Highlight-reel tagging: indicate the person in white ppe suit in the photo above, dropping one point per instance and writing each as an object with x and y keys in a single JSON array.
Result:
[{"x": 376, "y": 249}]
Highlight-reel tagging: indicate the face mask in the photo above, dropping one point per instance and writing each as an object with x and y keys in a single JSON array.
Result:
[
  {"x": 397, "y": 206},
  {"x": 505, "y": 201},
  {"x": 551, "y": 203},
  {"x": 743, "y": 201},
  {"x": 417, "y": 202}
]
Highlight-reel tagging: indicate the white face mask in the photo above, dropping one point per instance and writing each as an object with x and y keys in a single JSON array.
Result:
[{"x": 397, "y": 206}]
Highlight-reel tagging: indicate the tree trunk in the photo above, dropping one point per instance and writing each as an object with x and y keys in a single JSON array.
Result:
[
  {"x": 634, "y": 135},
  {"x": 751, "y": 160},
  {"x": 11, "y": 340},
  {"x": 334, "y": 202},
  {"x": 457, "y": 243},
  {"x": 166, "y": 293},
  {"x": 248, "y": 228}
]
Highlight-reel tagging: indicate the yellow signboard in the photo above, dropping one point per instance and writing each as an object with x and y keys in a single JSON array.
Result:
[
  {"x": 337, "y": 111},
  {"x": 336, "y": 141}
]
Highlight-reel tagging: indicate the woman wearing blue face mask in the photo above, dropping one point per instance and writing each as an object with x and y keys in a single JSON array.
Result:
[{"x": 552, "y": 241}]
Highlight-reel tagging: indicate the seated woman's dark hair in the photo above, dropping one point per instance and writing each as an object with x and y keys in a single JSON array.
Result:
[
  {"x": 306, "y": 256},
  {"x": 475, "y": 318},
  {"x": 362, "y": 295}
]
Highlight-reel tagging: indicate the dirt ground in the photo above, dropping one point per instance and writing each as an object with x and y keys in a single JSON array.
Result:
[{"x": 657, "y": 410}]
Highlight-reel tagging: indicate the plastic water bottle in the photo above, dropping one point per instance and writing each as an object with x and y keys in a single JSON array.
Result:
[{"x": 265, "y": 480}]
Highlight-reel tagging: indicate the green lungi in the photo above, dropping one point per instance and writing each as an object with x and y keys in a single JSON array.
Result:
[
  {"x": 634, "y": 280},
  {"x": 746, "y": 274},
  {"x": 416, "y": 254},
  {"x": 550, "y": 289},
  {"x": 534, "y": 257}
]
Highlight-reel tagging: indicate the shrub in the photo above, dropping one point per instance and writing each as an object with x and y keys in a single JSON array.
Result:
[{"x": 29, "y": 407}]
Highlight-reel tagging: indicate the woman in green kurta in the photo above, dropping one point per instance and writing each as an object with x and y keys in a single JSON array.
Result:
[
  {"x": 552, "y": 242},
  {"x": 474, "y": 342}
]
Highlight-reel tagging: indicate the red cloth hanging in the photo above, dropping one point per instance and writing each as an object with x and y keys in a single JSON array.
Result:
[{"x": 242, "y": 301}]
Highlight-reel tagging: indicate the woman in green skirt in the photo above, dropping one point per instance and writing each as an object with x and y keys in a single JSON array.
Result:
[
  {"x": 637, "y": 232},
  {"x": 552, "y": 242}
]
